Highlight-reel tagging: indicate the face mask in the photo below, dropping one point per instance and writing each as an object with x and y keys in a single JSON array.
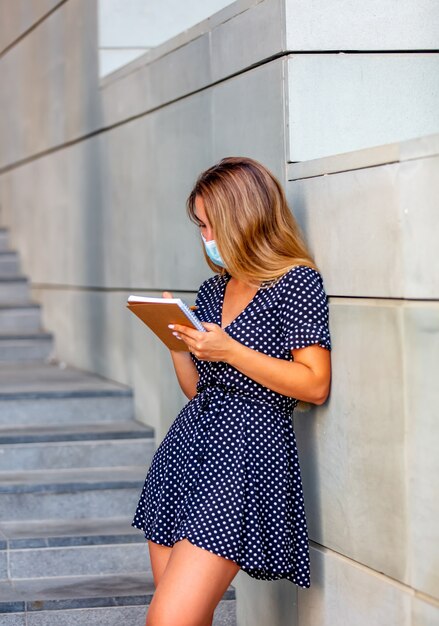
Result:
[{"x": 212, "y": 251}]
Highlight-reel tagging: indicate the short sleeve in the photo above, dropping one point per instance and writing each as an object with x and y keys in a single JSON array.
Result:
[{"x": 304, "y": 311}]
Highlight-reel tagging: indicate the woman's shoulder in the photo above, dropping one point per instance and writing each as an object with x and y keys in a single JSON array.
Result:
[{"x": 300, "y": 277}]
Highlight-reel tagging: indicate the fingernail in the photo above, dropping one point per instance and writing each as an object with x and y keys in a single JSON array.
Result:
[
  {"x": 170, "y": 325},
  {"x": 177, "y": 335}
]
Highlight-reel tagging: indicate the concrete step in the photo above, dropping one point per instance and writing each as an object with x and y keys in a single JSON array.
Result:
[
  {"x": 73, "y": 548},
  {"x": 109, "y": 600},
  {"x": 20, "y": 318},
  {"x": 50, "y": 393},
  {"x": 68, "y": 493},
  {"x": 9, "y": 263},
  {"x": 14, "y": 289},
  {"x": 19, "y": 535},
  {"x": 4, "y": 240},
  {"x": 82, "y": 445},
  {"x": 19, "y": 347}
]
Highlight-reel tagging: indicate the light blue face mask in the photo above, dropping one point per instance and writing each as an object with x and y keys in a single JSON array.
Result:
[{"x": 212, "y": 251}]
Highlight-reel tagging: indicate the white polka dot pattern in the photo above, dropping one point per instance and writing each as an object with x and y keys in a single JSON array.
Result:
[{"x": 227, "y": 476}]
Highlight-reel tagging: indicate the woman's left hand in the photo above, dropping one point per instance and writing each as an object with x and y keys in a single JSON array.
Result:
[{"x": 214, "y": 345}]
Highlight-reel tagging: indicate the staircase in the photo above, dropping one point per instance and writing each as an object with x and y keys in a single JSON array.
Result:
[{"x": 72, "y": 463}]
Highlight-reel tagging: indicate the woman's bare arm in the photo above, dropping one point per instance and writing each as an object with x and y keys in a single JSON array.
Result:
[
  {"x": 185, "y": 369},
  {"x": 186, "y": 372},
  {"x": 306, "y": 378}
]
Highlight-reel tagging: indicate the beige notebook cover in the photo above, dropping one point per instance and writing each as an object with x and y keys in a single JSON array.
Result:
[{"x": 157, "y": 313}]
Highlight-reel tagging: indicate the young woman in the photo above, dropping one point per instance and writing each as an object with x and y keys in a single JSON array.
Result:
[{"x": 224, "y": 490}]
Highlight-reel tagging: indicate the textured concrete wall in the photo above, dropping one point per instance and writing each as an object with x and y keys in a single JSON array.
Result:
[
  {"x": 93, "y": 179},
  {"x": 360, "y": 74},
  {"x": 369, "y": 455}
]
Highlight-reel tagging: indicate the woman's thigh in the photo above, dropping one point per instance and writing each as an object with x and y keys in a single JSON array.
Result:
[
  {"x": 159, "y": 557},
  {"x": 191, "y": 587}
]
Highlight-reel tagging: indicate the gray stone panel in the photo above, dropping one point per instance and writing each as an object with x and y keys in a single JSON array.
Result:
[
  {"x": 343, "y": 592},
  {"x": 424, "y": 613},
  {"x": 61, "y": 110},
  {"x": 371, "y": 25},
  {"x": 114, "y": 205},
  {"x": 123, "y": 209},
  {"x": 265, "y": 603},
  {"x": 136, "y": 92},
  {"x": 383, "y": 219},
  {"x": 173, "y": 258},
  {"x": 352, "y": 448},
  {"x": 420, "y": 147},
  {"x": 239, "y": 105},
  {"x": 65, "y": 104},
  {"x": 421, "y": 349},
  {"x": 369, "y": 453},
  {"x": 344, "y": 102},
  {"x": 16, "y": 17},
  {"x": 247, "y": 39},
  {"x": 419, "y": 192}
]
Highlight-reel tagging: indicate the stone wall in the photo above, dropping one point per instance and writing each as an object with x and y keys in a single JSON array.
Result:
[
  {"x": 369, "y": 455},
  {"x": 94, "y": 174}
]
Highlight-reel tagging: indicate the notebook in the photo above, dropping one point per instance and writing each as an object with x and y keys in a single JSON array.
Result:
[{"x": 157, "y": 313}]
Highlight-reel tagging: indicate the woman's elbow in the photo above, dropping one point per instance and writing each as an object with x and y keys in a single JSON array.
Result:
[
  {"x": 321, "y": 393},
  {"x": 321, "y": 399}
]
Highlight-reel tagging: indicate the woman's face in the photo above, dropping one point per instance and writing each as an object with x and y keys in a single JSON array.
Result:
[{"x": 205, "y": 227}]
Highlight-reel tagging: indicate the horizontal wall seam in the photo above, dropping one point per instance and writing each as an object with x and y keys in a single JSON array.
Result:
[
  {"x": 63, "y": 287},
  {"x": 389, "y": 579},
  {"x": 331, "y": 297},
  {"x": 124, "y": 71},
  {"x": 359, "y": 167},
  {"x": 127, "y": 120},
  {"x": 352, "y": 169},
  {"x": 31, "y": 28}
]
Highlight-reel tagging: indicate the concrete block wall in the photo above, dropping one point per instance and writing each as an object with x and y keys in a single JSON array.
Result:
[
  {"x": 94, "y": 174},
  {"x": 369, "y": 455},
  {"x": 360, "y": 74}
]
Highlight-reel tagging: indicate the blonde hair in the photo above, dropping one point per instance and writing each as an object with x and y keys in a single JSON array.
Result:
[{"x": 255, "y": 231}]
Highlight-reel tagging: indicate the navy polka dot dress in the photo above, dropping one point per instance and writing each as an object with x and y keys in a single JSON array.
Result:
[{"x": 226, "y": 476}]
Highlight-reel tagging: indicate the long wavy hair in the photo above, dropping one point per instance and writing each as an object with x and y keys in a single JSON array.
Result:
[{"x": 255, "y": 231}]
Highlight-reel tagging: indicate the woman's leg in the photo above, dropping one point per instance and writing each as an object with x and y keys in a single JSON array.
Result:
[
  {"x": 159, "y": 557},
  {"x": 191, "y": 587}
]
